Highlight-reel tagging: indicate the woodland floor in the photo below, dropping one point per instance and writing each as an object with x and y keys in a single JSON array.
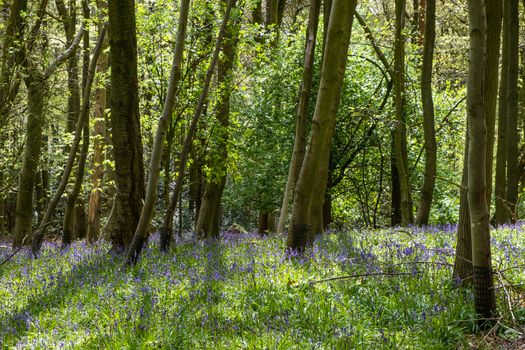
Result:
[{"x": 395, "y": 291}]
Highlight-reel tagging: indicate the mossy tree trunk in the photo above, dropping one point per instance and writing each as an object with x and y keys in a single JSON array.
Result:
[
  {"x": 301, "y": 116},
  {"x": 328, "y": 98},
  {"x": 36, "y": 87}
]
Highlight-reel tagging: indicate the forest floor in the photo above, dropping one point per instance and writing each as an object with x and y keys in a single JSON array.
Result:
[{"x": 384, "y": 289}]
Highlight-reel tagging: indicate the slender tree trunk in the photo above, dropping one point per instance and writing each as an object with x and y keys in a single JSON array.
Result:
[
  {"x": 82, "y": 121},
  {"x": 301, "y": 117},
  {"x": 208, "y": 221},
  {"x": 36, "y": 88},
  {"x": 463, "y": 259},
  {"x": 400, "y": 141},
  {"x": 328, "y": 98},
  {"x": 484, "y": 294},
  {"x": 512, "y": 182},
  {"x": 3, "y": 230},
  {"x": 427, "y": 190},
  {"x": 74, "y": 211},
  {"x": 97, "y": 175},
  {"x": 68, "y": 15},
  {"x": 156, "y": 154},
  {"x": 166, "y": 230},
  {"x": 500, "y": 215},
  {"x": 125, "y": 122},
  {"x": 490, "y": 89},
  {"x": 68, "y": 228},
  {"x": 12, "y": 56}
]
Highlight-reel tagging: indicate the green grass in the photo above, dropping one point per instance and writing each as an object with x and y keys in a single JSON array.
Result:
[{"x": 242, "y": 293}]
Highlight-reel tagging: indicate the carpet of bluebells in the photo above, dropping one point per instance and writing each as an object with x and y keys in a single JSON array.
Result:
[{"x": 243, "y": 292}]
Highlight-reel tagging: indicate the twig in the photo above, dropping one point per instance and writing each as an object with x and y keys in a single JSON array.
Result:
[
  {"x": 507, "y": 297},
  {"x": 366, "y": 275},
  {"x": 14, "y": 253}
]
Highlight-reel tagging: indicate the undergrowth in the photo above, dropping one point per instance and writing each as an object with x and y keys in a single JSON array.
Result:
[{"x": 242, "y": 292}]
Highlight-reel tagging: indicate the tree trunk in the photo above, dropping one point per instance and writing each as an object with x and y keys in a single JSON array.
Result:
[
  {"x": 125, "y": 122},
  {"x": 301, "y": 117},
  {"x": 490, "y": 89},
  {"x": 68, "y": 233},
  {"x": 400, "y": 141},
  {"x": 208, "y": 220},
  {"x": 166, "y": 230},
  {"x": 74, "y": 215},
  {"x": 427, "y": 189},
  {"x": 500, "y": 214},
  {"x": 484, "y": 294},
  {"x": 12, "y": 56},
  {"x": 3, "y": 227},
  {"x": 156, "y": 154},
  {"x": 36, "y": 88},
  {"x": 463, "y": 257},
  {"x": 97, "y": 175},
  {"x": 512, "y": 182},
  {"x": 68, "y": 15},
  {"x": 328, "y": 98}
]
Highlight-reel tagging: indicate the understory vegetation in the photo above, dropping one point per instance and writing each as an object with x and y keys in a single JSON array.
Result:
[{"x": 384, "y": 289}]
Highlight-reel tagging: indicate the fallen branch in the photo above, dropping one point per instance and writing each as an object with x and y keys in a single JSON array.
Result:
[
  {"x": 374, "y": 274},
  {"x": 15, "y": 252}
]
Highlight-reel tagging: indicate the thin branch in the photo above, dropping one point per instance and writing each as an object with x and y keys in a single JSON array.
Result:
[
  {"x": 388, "y": 274},
  {"x": 70, "y": 51}
]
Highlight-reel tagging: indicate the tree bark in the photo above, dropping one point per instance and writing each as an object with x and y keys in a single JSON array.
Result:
[
  {"x": 484, "y": 294},
  {"x": 494, "y": 16},
  {"x": 463, "y": 259},
  {"x": 125, "y": 122},
  {"x": 35, "y": 83},
  {"x": 429, "y": 129},
  {"x": 156, "y": 154},
  {"x": 512, "y": 182},
  {"x": 328, "y": 98},
  {"x": 166, "y": 230},
  {"x": 12, "y": 56},
  {"x": 400, "y": 141},
  {"x": 301, "y": 117},
  {"x": 500, "y": 214},
  {"x": 74, "y": 215}
]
